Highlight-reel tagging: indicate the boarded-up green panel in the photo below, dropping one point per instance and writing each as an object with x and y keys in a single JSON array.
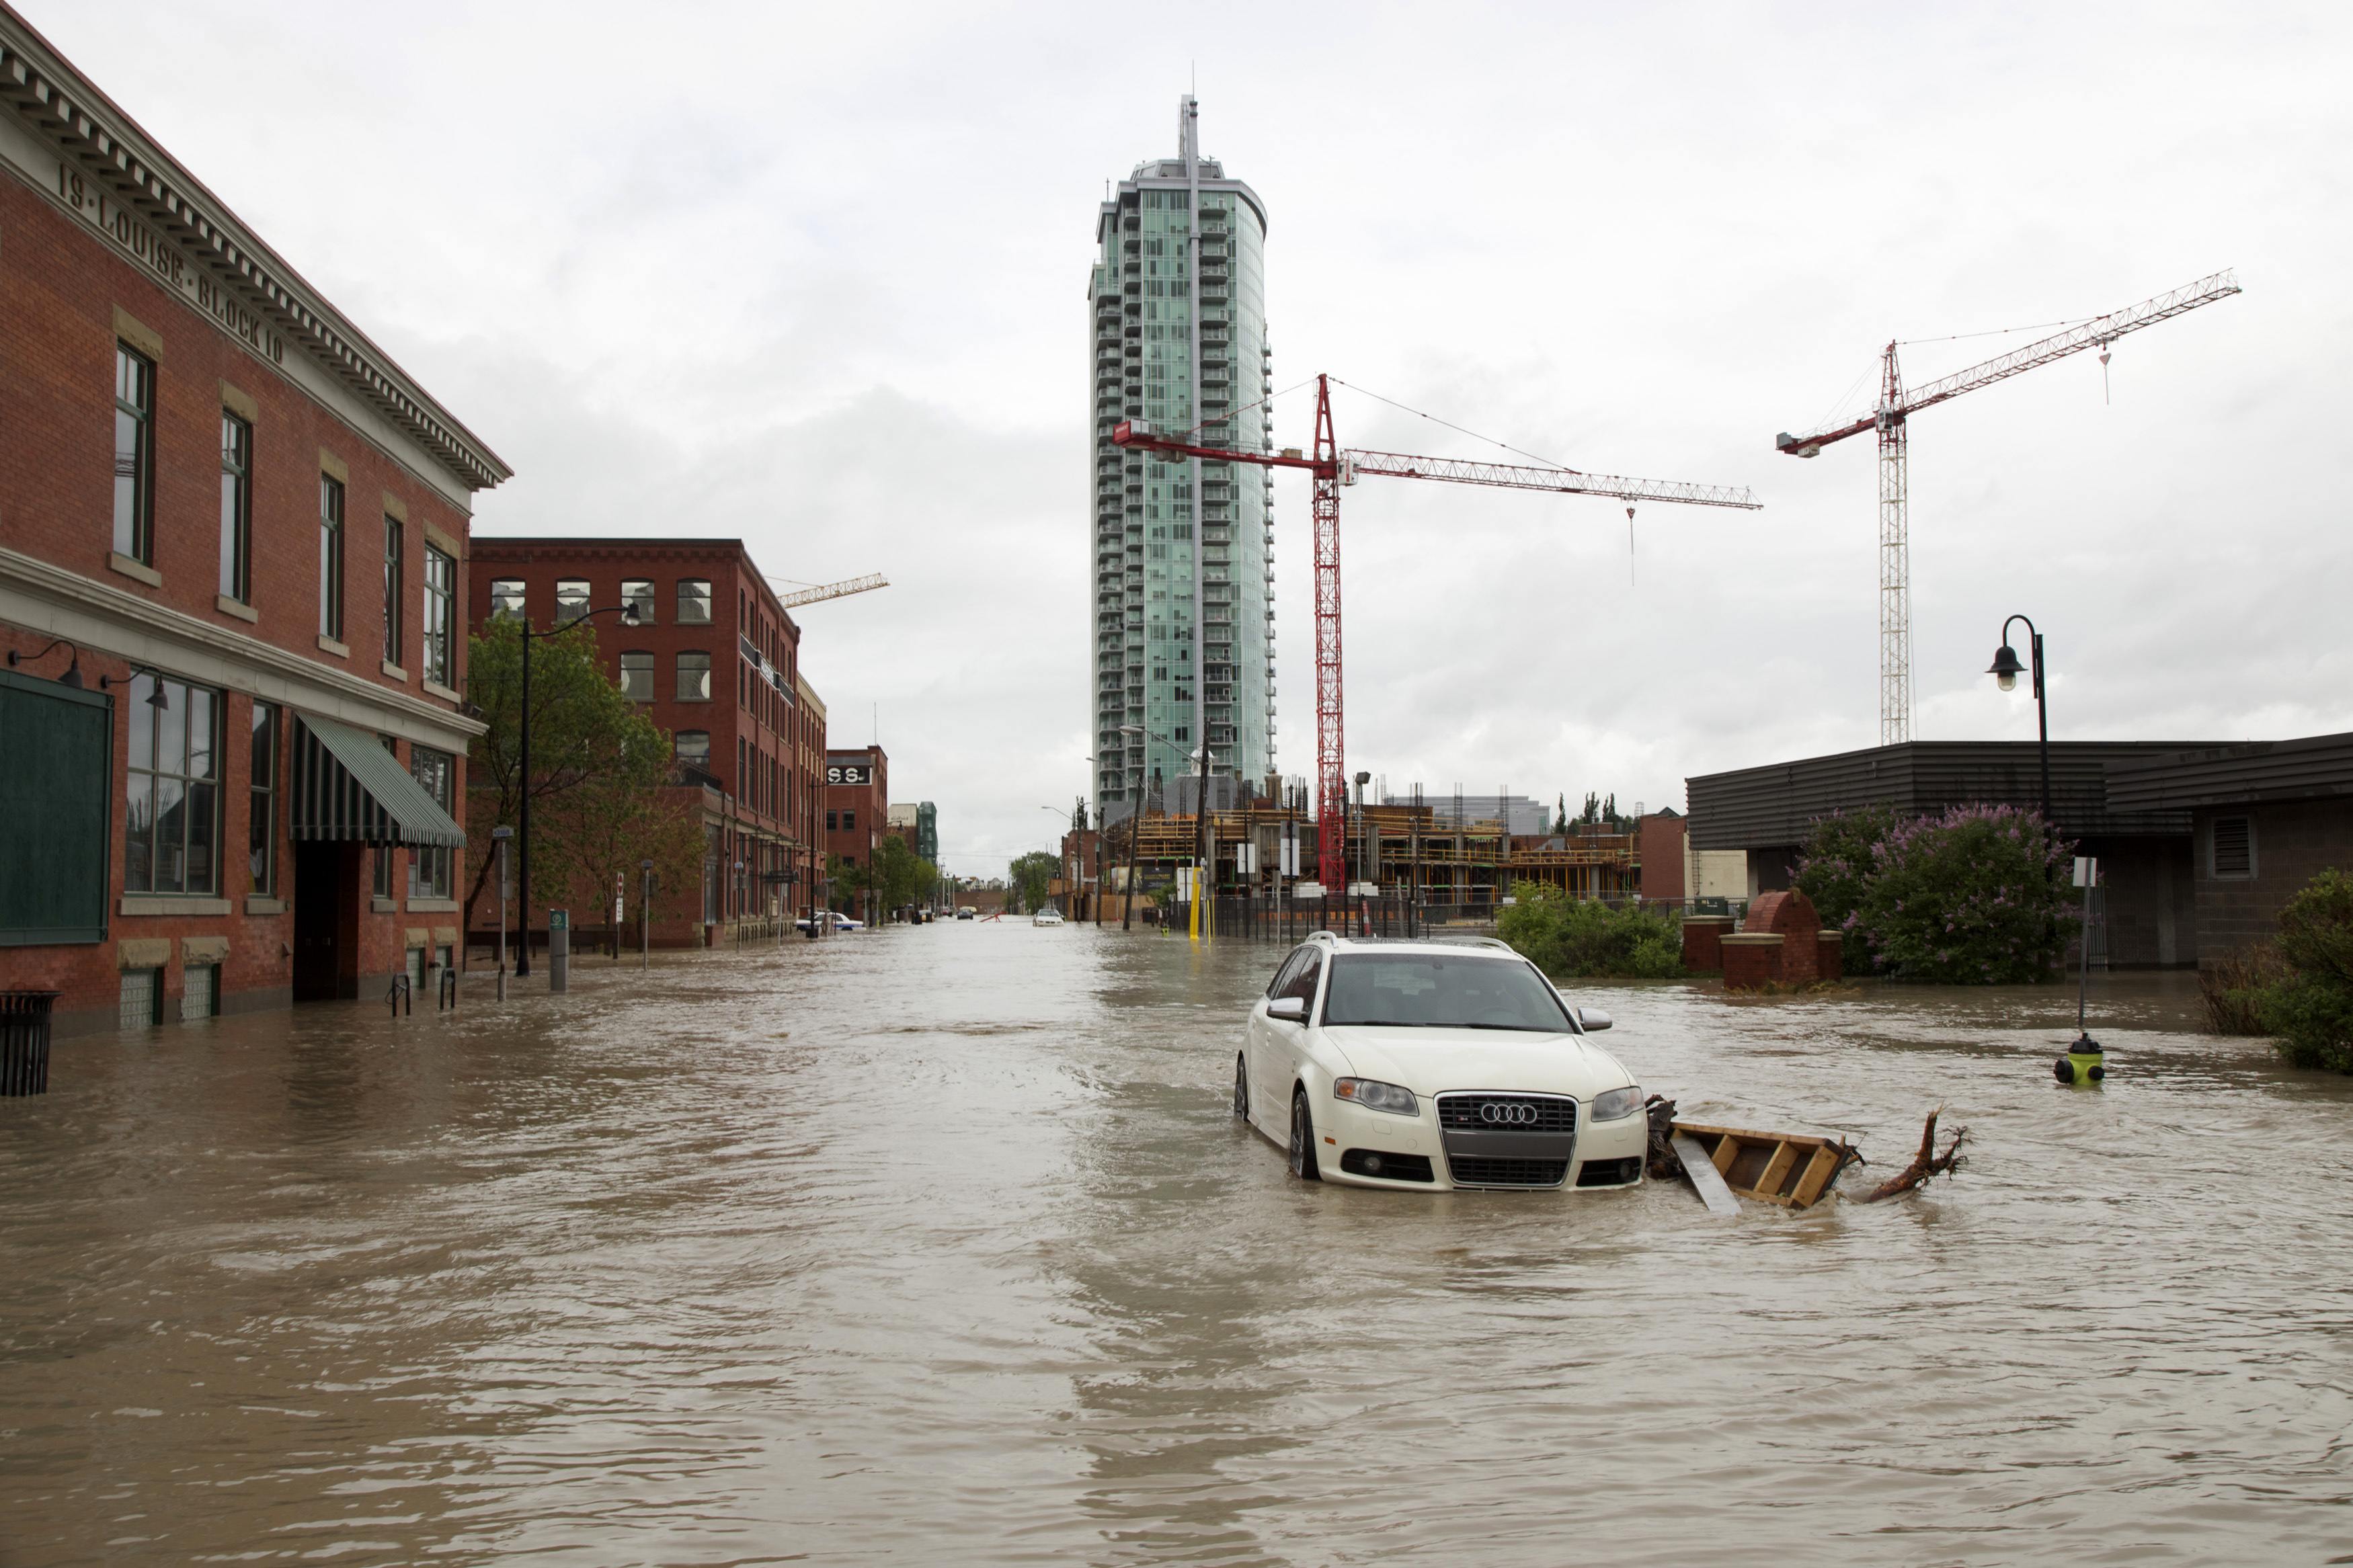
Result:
[{"x": 57, "y": 811}]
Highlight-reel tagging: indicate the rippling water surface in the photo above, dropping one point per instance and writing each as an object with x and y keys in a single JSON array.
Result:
[{"x": 938, "y": 1245}]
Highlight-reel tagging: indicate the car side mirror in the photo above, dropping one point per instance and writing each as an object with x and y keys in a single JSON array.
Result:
[
  {"x": 1594, "y": 1019},
  {"x": 1290, "y": 1009}
]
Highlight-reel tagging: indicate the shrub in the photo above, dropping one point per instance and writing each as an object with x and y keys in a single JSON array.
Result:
[
  {"x": 1835, "y": 869},
  {"x": 2312, "y": 1009},
  {"x": 1974, "y": 897},
  {"x": 1570, "y": 936},
  {"x": 2233, "y": 986}
]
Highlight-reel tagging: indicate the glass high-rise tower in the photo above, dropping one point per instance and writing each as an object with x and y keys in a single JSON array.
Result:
[{"x": 1184, "y": 548}]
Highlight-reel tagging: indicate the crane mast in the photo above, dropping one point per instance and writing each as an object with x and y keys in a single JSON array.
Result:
[
  {"x": 1331, "y": 466},
  {"x": 1892, "y": 419}
]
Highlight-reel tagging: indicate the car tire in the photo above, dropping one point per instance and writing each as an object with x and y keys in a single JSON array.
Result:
[
  {"x": 1302, "y": 1139},
  {"x": 1242, "y": 1090}
]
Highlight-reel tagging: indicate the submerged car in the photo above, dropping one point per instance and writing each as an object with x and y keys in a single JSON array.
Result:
[
  {"x": 1046, "y": 918},
  {"x": 1435, "y": 1065}
]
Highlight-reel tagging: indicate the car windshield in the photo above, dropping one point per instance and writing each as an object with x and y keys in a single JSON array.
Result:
[{"x": 1431, "y": 991}]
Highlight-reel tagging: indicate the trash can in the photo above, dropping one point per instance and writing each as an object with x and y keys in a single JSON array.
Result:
[{"x": 24, "y": 1041}]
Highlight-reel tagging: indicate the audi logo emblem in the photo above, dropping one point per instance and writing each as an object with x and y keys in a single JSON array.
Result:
[{"x": 1508, "y": 1113}]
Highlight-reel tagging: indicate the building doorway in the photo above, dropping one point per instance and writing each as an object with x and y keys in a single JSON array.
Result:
[{"x": 326, "y": 921}]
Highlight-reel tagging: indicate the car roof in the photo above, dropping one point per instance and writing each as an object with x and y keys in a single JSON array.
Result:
[{"x": 1491, "y": 946}]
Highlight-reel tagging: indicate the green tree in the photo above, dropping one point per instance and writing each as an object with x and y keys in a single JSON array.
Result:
[
  {"x": 1975, "y": 897},
  {"x": 595, "y": 837},
  {"x": 1834, "y": 873},
  {"x": 1027, "y": 878},
  {"x": 899, "y": 874},
  {"x": 1560, "y": 813},
  {"x": 2312, "y": 1009},
  {"x": 1565, "y": 935},
  {"x": 582, "y": 729}
]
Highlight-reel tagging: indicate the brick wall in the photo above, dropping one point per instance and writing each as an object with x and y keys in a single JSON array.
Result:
[{"x": 2294, "y": 842}]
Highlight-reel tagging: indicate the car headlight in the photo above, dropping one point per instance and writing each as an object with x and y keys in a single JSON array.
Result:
[
  {"x": 1615, "y": 1104},
  {"x": 1374, "y": 1095}
]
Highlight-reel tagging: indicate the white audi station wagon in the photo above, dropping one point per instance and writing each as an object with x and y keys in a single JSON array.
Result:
[{"x": 1435, "y": 1065}]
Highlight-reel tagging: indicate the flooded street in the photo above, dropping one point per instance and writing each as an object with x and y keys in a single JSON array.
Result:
[{"x": 939, "y": 1246}]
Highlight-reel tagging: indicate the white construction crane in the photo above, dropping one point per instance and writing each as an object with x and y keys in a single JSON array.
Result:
[
  {"x": 1891, "y": 417},
  {"x": 814, "y": 595}
]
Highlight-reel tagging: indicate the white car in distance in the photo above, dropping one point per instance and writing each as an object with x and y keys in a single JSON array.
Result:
[
  {"x": 1435, "y": 1065},
  {"x": 1047, "y": 916}
]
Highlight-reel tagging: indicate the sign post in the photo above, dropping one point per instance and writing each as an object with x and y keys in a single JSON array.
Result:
[
  {"x": 559, "y": 949},
  {"x": 2085, "y": 1062},
  {"x": 503, "y": 837}
]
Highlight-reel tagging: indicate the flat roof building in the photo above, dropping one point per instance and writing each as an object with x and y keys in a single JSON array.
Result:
[
  {"x": 1182, "y": 615},
  {"x": 233, "y": 576}
]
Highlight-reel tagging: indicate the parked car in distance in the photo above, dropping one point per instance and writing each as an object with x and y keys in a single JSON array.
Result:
[
  {"x": 1435, "y": 1065},
  {"x": 1048, "y": 917},
  {"x": 808, "y": 925},
  {"x": 965, "y": 912}
]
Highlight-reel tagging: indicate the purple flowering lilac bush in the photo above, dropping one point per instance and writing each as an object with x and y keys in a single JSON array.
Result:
[{"x": 1977, "y": 896}]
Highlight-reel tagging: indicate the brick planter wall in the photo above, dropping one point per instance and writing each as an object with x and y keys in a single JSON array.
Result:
[
  {"x": 1702, "y": 934},
  {"x": 1751, "y": 959}
]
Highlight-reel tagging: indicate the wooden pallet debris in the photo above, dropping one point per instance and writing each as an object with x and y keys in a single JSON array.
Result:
[{"x": 1791, "y": 1169}]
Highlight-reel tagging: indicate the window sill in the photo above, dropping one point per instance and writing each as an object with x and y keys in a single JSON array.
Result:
[
  {"x": 134, "y": 904},
  {"x": 433, "y": 906},
  {"x": 395, "y": 671},
  {"x": 434, "y": 688},
  {"x": 255, "y": 904},
  {"x": 243, "y": 612},
  {"x": 383, "y": 906},
  {"x": 138, "y": 569},
  {"x": 329, "y": 645}
]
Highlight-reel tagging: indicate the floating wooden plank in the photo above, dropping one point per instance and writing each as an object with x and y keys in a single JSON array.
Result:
[
  {"x": 1791, "y": 1169},
  {"x": 1705, "y": 1180}
]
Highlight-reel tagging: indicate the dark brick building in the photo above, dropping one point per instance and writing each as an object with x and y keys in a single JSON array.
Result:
[
  {"x": 857, "y": 814},
  {"x": 716, "y": 660},
  {"x": 233, "y": 562}
]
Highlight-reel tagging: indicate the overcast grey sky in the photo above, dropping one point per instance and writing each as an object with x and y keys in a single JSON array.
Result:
[{"x": 816, "y": 276}]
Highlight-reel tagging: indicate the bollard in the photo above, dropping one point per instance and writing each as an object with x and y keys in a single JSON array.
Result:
[
  {"x": 559, "y": 950},
  {"x": 448, "y": 997},
  {"x": 397, "y": 991}
]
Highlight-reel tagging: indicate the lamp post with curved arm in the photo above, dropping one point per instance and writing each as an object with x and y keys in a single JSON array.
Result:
[
  {"x": 629, "y": 614},
  {"x": 2006, "y": 669}
]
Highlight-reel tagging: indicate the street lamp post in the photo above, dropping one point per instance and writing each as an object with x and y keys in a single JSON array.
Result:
[
  {"x": 1200, "y": 820},
  {"x": 629, "y": 614},
  {"x": 1364, "y": 849},
  {"x": 2005, "y": 671}
]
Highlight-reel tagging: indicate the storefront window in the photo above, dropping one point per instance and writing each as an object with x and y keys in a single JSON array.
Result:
[
  {"x": 171, "y": 826},
  {"x": 262, "y": 830},
  {"x": 429, "y": 866}
]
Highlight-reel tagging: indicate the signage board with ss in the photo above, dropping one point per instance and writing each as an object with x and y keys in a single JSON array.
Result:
[{"x": 849, "y": 773}]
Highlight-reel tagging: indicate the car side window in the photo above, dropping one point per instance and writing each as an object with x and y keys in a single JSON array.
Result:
[
  {"x": 1283, "y": 972},
  {"x": 1303, "y": 985}
]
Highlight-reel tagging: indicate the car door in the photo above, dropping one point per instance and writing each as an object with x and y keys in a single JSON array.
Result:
[
  {"x": 1259, "y": 1046},
  {"x": 1287, "y": 1044}
]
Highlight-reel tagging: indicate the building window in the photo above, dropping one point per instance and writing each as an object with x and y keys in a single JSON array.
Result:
[
  {"x": 262, "y": 815},
  {"x": 695, "y": 676},
  {"x": 638, "y": 677},
  {"x": 172, "y": 827},
  {"x": 134, "y": 455},
  {"x": 506, "y": 598},
  {"x": 2234, "y": 847},
  {"x": 392, "y": 545},
  {"x": 385, "y": 853},
  {"x": 330, "y": 558},
  {"x": 849, "y": 822},
  {"x": 440, "y": 616},
  {"x": 638, "y": 593},
  {"x": 694, "y": 601},
  {"x": 429, "y": 865},
  {"x": 236, "y": 509},
  {"x": 832, "y": 820},
  {"x": 693, "y": 747},
  {"x": 571, "y": 599}
]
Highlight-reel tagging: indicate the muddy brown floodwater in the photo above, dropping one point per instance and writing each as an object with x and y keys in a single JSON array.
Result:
[{"x": 938, "y": 1245}]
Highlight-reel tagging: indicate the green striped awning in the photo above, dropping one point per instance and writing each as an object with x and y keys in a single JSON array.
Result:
[{"x": 348, "y": 788}]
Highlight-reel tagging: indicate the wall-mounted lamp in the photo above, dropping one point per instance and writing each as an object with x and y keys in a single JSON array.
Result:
[{"x": 71, "y": 678}]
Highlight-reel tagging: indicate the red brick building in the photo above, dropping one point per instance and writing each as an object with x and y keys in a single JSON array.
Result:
[
  {"x": 233, "y": 544},
  {"x": 716, "y": 661},
  {"x": 856, "y": 815}
]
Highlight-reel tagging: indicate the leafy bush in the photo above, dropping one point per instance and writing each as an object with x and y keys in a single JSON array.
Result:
[
  {"x": 2233, "y": 988},
  {"x": 2312, "y": 1009},
  {"x": 1834, "y": 871},
  {"x": 1974, "y": 897},
  {"x": 1570, "y": 936}
]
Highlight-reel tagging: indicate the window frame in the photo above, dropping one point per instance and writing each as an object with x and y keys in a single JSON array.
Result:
[
  {"x": 395, "y": 545},
  {"x": 432, "y": 868},
  {"x": 179, "y": 698},
  {"x": 678, "y": 668},
  {"x": 262, "y": 789},
  {"x": 678, "y": 749},
  {"x": 640, "y": 590},
  {"x": 331, "y": 557},
  {"x": 382, "y": 879},
  {"x": 237, "y": 507},
  {"x": 701, "y": 602},
  {"x": 439, "y": 632},
  {"x": 574, "y": 597},
  {"x": 134, "y": 534},
  {"x": 647, "y": 694},
  {"x": 519, "y": 608}
]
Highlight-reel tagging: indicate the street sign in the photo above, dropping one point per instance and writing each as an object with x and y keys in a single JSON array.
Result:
[
  {"x": 559, "y": 920},
  {"x": 2087, "y": 871}
]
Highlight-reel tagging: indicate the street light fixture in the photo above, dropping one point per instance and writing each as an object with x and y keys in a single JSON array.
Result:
[
  {"x": 629, "y": 614},
  {"x": 2006, "y": 669},
  {"x": 71, "y": 678}
]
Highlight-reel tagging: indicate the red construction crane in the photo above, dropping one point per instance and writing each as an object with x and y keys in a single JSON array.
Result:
[
  {"x": 1891, "y": 417},
  {"x": 1331, "y": 467}
]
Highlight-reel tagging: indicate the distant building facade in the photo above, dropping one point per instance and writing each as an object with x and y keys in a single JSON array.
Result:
[
  {"x": 715, "y": 660},
  {"x": 857, "y": 818},
  {"x": 1182, "y": 628},
  {"x": 232, "y": 567},
  {"x": 919, "y": 825}
]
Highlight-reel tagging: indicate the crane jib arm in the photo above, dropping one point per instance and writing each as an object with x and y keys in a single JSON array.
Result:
[
  {"x": 1563, "y": 481},
  {"x": 2098, "y": 332}
]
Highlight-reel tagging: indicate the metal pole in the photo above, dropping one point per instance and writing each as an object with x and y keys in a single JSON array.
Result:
[
  {"x": 522, "y": 847},
  {"x": 1204, "y": 847},
  {"x": 503, "y": 836},
  {"x": 646, "y": 914},
  {"x": 2043, "y": 726}
]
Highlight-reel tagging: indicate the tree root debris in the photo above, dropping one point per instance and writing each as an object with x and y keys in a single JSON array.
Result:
[{"x": 1926, "y": 1164}]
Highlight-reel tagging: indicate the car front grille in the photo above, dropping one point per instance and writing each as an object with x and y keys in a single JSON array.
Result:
[
  {"x": 1388, "y": 1167},
  {"x": 1506, "y": 1113},
  {"x": 1481, "y": 1172}
]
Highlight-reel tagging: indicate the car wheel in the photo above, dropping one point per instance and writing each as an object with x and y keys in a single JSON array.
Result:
[
  {"x": 1303, "y": 1139},
  {"x": 1242, "y": 1090}
]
